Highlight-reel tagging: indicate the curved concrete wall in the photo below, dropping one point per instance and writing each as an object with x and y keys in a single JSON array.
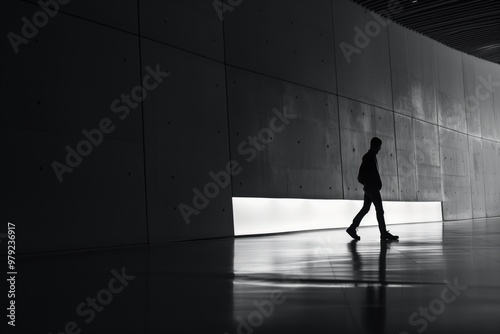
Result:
[
  {"x": 436, "y": 109},
  {"x": 280, "y": 97}
]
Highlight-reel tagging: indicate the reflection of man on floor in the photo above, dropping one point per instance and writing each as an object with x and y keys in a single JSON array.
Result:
[
  {"x": 369, "y": 177},
  {"x": 374, "y": 312}
]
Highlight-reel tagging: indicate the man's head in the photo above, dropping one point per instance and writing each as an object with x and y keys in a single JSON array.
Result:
[{"x": 375, "y": 144}]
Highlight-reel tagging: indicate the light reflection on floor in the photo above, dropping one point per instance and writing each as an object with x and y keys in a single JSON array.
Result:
[{"x": 328, "y": 283}]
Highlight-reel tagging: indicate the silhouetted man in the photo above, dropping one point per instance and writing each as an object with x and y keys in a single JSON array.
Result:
[{"x": 370, "y": 178}]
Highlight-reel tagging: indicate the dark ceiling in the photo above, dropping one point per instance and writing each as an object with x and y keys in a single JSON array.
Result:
[{"x": 469, "y": 26}]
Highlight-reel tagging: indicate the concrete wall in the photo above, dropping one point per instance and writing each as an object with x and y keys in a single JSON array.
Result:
[
  {"x": 430, "y": 105},
  {"x": 283, "y": 95}
]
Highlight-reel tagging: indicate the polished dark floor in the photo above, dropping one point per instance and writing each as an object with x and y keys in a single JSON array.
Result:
[{"x": 439, "y": 278}]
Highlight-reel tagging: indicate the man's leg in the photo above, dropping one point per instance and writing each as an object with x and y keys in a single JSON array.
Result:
[
  {"x": 377, "y": 202},
  {"x": 364, "y": 210},
  {"x": 351, "y": 230}
]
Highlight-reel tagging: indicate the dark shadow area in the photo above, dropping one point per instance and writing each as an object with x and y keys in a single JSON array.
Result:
[{"x": 178, "y": 287}]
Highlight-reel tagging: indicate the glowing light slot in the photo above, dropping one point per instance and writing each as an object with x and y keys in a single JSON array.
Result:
[{"x": 273, "y": 215}]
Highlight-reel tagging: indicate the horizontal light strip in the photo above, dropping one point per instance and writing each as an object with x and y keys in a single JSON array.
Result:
[
  {"x": 253, "y": 215},
  {"x": 330, "y": 285}
]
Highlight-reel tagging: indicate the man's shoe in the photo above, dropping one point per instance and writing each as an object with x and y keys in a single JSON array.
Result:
[
  {"x": 388, "y": 236},
  {"x": 352, "y": 232}
]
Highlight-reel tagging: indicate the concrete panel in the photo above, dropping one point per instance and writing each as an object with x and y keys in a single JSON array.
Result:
[
  {"x": 190, "y": 25},
  {"x": 450, "y": 88},
  {"x": 413, "y": 73},
  {"x": 495, "y": 209},
  {"x": 185, "y": 121},
  {"x": 56, "y": 82},
  {"x": 472, "y": 71},
  {"x": 362, "y": 55},
  {"x": 405, "y": 144},
  {"x": 491, "y": 156},
  {"x": 493, "y": 87},
  {"x": 479, "y": 98},
  {"x": 101, "y": 203},
  {"x": 477, "y": 177},
  {"x": 298, "y": 159},
  {"x": 104, "y": 12},
  {"x": 456, "y": 186},
  {"x": 290, "y": 40},
  {"x": 358, "y": 124},
  {"x": 428, "y": 162},
  {"x": 53, "y": 92}
]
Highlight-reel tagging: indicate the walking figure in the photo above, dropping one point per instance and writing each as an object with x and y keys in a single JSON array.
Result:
[{"x": 369, "y": 177}]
